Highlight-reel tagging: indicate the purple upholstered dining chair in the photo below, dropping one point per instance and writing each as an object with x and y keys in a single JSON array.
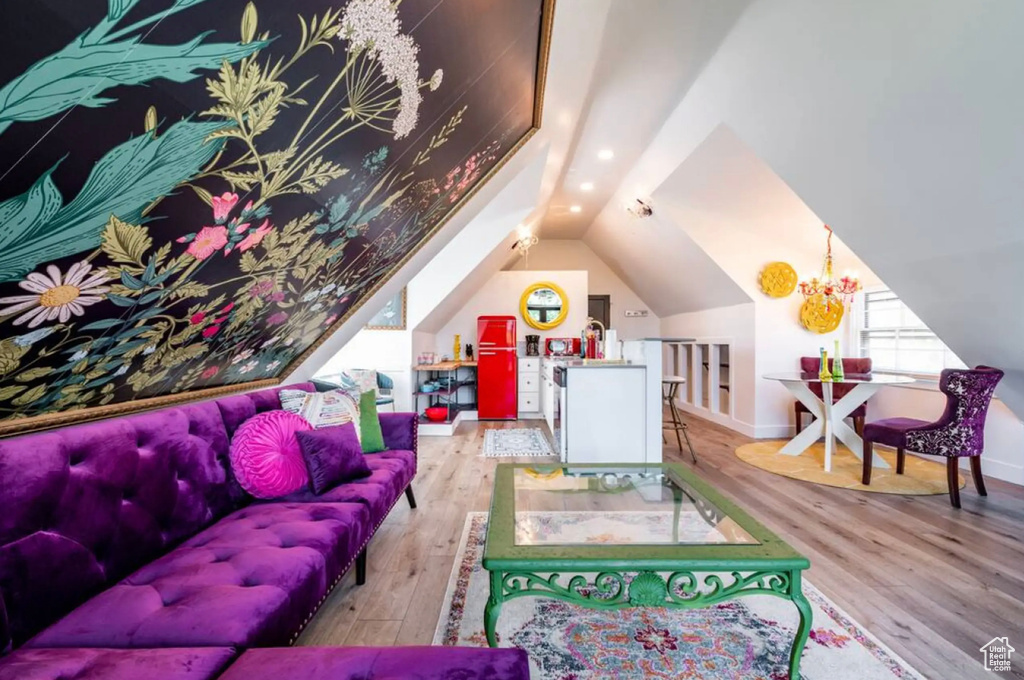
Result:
[
  {"x": 839, "y": 390},
  {"x": 959, "y": 432}
]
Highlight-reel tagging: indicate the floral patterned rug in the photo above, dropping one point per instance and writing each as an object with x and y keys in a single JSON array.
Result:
[
  {"x": 523, "y": 441},
  {"x": 746, "y": 639}
]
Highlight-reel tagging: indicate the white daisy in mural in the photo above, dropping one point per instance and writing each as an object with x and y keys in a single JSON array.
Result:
[{"x": 56, "y": 296}]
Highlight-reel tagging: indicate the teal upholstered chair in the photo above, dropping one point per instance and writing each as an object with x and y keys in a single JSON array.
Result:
[{"x": 385, "y": 390}]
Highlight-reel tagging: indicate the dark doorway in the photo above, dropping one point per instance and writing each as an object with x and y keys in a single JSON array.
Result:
[{"x": 600, "y": 307}]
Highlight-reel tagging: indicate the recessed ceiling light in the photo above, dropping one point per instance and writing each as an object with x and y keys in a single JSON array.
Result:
[
  {"x": 606, "y": 154},
  {"x": 575, "y": 209},
  {"x": 587, "y": 186}
]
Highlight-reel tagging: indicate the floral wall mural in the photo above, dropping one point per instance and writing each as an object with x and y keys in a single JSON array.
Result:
[{"x": 194, "y": 192}]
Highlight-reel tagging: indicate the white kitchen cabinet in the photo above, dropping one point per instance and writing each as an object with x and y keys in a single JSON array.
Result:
[
  {"x": 606, "y": 414},
  {"x": 547, "y": 392},
  {"x": 529, "y": 387}
]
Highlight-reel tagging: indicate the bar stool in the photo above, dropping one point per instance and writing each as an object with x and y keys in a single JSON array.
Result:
[{"x": 669, "y": 389}]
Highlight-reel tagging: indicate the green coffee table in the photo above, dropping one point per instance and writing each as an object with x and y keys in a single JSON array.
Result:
[{"x": 574, "y": 532}]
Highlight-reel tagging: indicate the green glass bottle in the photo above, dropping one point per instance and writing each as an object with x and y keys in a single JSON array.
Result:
[
  {"x": 837, "y": 366},
  {"x": 824, "y": 375}
]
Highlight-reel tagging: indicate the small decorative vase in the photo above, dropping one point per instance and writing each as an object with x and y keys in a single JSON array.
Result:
[
  {"x": 837, "y": 366},
  {"x": 824, "y": 375},
  {"x": 457, "y": 351},
  {"x": 469, "y": 352}
]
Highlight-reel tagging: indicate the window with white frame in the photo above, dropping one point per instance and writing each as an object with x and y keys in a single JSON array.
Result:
[{"x": 896, "y": 340}]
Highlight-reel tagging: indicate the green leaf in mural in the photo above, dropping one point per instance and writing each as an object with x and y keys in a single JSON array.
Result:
[
  {"x": 125, "y": 243},
  {"x": 78, "y": 74},
  {"x": 22, "y": 216},
  {"x": 122, "y": 183},
  {"x": 118, "y": 8}
]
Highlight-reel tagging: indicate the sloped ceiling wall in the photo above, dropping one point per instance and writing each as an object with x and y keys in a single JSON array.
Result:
[
  {"x": 896, "y": 123},
  {"x": 663, "y": 264},
  {"x": 196, "y": 192}
]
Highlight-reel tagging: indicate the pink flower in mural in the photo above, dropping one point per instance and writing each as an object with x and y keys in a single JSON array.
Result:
[
  {"x": 331, "y": 319},
  {"x": 208, "y": 241},
  {"x": 276, "y": 296},
  {"x": 222, "y": 206},
  {"x": 261, "y": 288},
  {"x": 240, "y": 229},
  {"x": 54, "y": 295},
  {"x": 277, "y": 318},
  {"x": 254, "y": 238},
  {"x": 197, "y": 318},
  {"x": 227, "y": 308},
  {"x": 210, "y": 331},
  {"x": 210, "y": 372}
]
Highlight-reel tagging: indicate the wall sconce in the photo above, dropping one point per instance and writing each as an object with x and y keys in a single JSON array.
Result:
[
  {"x": 523, "y": 244},
  {"x": 640, "y": 209}
]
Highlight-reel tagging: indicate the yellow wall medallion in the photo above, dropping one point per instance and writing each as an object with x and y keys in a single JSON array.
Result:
[
  {"x": 821, "y": 316},
  {"x": 778, "y": 279}
]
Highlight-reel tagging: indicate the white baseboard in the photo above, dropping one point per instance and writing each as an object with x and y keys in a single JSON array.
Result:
[
  {"x": 1007, "y": 472},
  {"x": 717, "y": 418}
]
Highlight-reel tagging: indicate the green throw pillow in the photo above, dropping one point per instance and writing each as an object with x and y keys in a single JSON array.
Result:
[{"x": 371, "y": 436}]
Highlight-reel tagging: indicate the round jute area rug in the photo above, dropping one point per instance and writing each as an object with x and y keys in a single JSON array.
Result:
[{"x": 921, "y": 478}]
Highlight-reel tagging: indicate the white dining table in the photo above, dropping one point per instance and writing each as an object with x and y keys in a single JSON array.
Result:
[{"x": 829, "y": 418}]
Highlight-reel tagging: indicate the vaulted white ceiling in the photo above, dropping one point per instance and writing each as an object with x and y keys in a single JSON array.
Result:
[{"x": 897, "y": 123}]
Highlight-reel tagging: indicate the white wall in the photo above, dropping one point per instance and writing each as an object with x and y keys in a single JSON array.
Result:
[
  {"x": 567, "y": 254},
  {"x": 743, "y": 216},
  {"x": 384, "y": 351},
  {"x": 735, "y": 326},
  {"x": 893, "y": 121},
  {"x": 500, "y": 296}
]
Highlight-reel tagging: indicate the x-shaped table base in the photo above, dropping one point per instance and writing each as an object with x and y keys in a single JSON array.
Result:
[{"x": 829, "y": 420}]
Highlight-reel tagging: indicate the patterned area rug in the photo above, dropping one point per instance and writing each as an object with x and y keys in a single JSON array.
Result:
[
  {"x": 746, "y": 639},
  {"x": 921, "y": 477},
  {"x": 517, "y": 442}
]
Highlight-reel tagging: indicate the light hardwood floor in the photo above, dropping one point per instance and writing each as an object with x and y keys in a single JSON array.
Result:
[{"x": 933, "y": 583}]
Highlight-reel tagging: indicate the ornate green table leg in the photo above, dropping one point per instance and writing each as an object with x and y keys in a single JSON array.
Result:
[
  {"x": 796, "y": 594},
  {"x": 493, "y": 608}
]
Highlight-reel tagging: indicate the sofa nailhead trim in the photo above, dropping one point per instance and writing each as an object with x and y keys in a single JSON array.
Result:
[{"x": 344, "y": 571}]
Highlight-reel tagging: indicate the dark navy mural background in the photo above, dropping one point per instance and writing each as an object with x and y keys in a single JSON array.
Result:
[{"x": 193, "y": 192}]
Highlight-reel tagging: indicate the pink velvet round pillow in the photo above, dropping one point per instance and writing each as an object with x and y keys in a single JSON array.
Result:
[{"x": 265, "y": 454}]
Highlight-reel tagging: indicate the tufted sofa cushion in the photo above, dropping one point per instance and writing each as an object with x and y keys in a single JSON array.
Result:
[
  {"x": 5, "y": 632},
  {"x": 380, "y": 663},
  {"x": 250, "y": 580},
  {"x": 86, "y": 505},
  {"x": 116, "y": 664},
  {"x": 239, "y": 408},
  {"x": 390, "y": 473}
]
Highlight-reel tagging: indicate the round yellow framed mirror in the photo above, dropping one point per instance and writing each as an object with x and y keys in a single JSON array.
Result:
[{"x": 544, "y": 306}]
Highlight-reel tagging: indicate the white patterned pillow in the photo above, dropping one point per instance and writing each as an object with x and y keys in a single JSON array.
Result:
[
  {"x": 322, "y": 409},
  {"x": 365, "y": 381}
]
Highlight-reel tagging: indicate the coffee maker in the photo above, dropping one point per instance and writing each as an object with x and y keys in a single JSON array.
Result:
[{"x": 532, "y": 345}]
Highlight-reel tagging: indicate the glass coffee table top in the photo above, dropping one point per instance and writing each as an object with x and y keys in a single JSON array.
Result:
[
  {"x": 648, "y": 516},
  {"x": 645, "y": 505}
]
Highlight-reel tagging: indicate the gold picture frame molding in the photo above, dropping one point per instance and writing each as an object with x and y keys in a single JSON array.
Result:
[{"x": 48, "y": 421}]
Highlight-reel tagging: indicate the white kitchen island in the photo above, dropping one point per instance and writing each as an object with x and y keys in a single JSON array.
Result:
[{"x": 605, "y": 411}]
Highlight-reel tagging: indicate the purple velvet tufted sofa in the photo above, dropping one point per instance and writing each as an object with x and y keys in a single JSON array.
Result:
[{"x": 128, "y": 550}]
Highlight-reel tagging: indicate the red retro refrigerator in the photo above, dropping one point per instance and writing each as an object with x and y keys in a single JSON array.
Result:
[{"x": 497, "y": 370}]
